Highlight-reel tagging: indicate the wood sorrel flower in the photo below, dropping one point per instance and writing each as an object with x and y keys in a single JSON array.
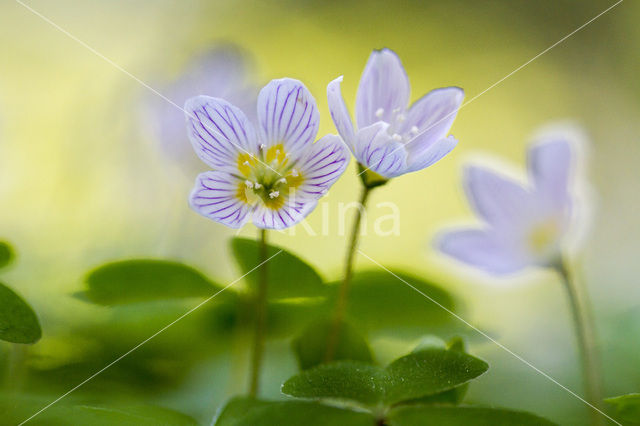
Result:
[
  {"x": 525, "y": 224},
  {"x": 273, "y": 176},
  {"x": 224, "y": 72},
  {"x": 393, "y": 139}
]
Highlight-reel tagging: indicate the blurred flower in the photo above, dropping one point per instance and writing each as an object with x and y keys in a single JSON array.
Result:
[
  {"x": 391, "y": 138},
  {"x": 274, "y": 176},
  {"x": 224, "y": 72},
  {"x": 525, "y": 224}
]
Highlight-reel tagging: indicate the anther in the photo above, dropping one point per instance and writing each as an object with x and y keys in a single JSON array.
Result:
[
  {"x": 248, "y": 183},
  {"x": 379, "y": 112},
  {"x": 274, "y": 194},
  {"x": 396, "y": 137}
]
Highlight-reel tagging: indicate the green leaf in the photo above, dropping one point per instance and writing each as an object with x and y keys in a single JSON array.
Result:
[
  {"x": 342, "y": 380},
  {"x": 417, "y": 375},
  {"x": 627, "y": 406},
  {"x": 462, "y": 416},
  {"x": 6, "y": 254},
  {"x": 142, "y": 280},
  {"x": 452, "y": 396},
  {"x": 311, "y": 346},
  {"x": 14, "y": 410},
  {"x": 248, "y": 412},
  {"x": 381, "y": 302},
  {"x": 18, "y": 322},
  {"x": 288, "y": 275},
  {"x": 428, "y": 372}
]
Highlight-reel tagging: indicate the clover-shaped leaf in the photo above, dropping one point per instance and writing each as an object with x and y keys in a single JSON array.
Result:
[
  {"x": 310, "y": 347},
  {"x": 143, "y": 280},
  {"x": 288, "y": 275},
  {"x": 627, "y": 406},
  {"x": 378, "y": 301},
  {"x": 18, "y": 322},
  {"x": 421, "y": 373},
  {"x": 412, "y": 415},
  {"x": 6, "y": 254},
  {"x": 251, "y": 412}
]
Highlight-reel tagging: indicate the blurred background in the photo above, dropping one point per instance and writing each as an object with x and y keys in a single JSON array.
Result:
[{"x": 88, "y": 174}]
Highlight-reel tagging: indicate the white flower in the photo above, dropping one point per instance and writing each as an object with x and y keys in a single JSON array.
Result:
[
  {"x": 392, "y": 138},
  {"x": 524, "y": 225},
  {"x": 272, "y": 177}
]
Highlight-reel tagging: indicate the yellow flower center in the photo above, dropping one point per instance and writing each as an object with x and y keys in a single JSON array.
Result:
[
  {"x": 543, "y": 236},
  {"x": 269, "y": 177}
]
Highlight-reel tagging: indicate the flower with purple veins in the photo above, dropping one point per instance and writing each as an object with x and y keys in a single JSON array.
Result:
[
  {"x": 392, "y": 138},
  {"x": 524, "y": 224},
  {"x": 223, "y": 72},
  {"x": 273, "y": 176}
]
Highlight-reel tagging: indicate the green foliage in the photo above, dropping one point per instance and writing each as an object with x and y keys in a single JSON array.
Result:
[
  {"x": 413, "y": 415},
  {"x": 250, "y": 412},
  {"x": 18, "y": 322},
  {"x": 6, "y": 254},
  {"x": 421, "y": 373},
  {"x": 142, "y": 280},
  {"x": 14, "y": 410},
  {"x": 627, "y": 406},
  {"x": 381, "y": 302},
  {"x": 310, "y": 347},
  {"x": 288, "y": 275}
]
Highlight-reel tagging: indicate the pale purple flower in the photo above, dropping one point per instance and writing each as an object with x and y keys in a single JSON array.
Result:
[
  {"x": 392, "y": 138},
  {"x": 224, "y": 72},
  {"x": 272, "y": 176},
  {"x": 524, "y": 224}
]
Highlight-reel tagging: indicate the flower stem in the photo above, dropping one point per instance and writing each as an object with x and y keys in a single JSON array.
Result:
[
  {"x": 343, "y": 292},
  {"x": 260, "y": 318},
  {"x": 585, "y": 335}
]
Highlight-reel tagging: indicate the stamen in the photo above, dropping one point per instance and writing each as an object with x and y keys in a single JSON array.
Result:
[
  {"x": 282, "y": 180},
  {"x": 396, "y": 137},
  {"x": 247, "y": 163},
  {"x": 262, "y": 146},
  {"x": 257, "y": 185},
  {"x": 414, "y": 130},
  {"x": 249, "y": 184},
  {"x": 274, "y": 194},
  {"x": 401, "y": 118},
  {"x": 379, "y": 112},
  {"x": 294, "y": 173}
]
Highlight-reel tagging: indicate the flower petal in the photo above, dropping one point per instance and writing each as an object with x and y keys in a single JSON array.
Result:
[
  {"x": 498, "y": 199},
  {"x": 431, "y": 155},
  {"x": 340, "y": 112},
  {"x": 292, "y": 212},
  {"x": 430, "y": 118},
  {"x": 219, "y": 132},
  {"x": 550, "y": 167},
  {"x": 383, "y": 90},
  {"x": 288, "y": 115},
  {"x": 480, "y": 248},
  {"x": 321, "y": 167},
  {"x": 216, "y": 196},
  {"x": 377, "y": 151}
]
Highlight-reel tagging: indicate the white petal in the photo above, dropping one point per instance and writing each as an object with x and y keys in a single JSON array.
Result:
[
  {"x": 432, "y": 115},
  {"x": 481, "y": 249},
  {"x": 287, "y": 114},
  {"x": 321, "y": 167},
  {"x": 340, "y": 112},
  {"x": 550, "y": 165},
  {"x": 383, "y": 90},
  {"x": 219, "y": 132},
  {"x": 292, "y": 212},
  {"x": 497, "y": 198},
  {"x": 376, "y": 150},
  {"x": 431, "y": 155},
  {"x": 215, "y": 196}
]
